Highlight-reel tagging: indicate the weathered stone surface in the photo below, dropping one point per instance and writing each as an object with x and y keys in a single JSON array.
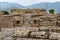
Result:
[
  {"x": 6, "y": 21},
  {"x": 58, "y": 23},
  {"x": 38, "y": 34},
  {"x": 24, "y": 31},
  {"x": 48, "y": 27},
  {"x": 57, "y": 29},
  {"x": 20, "y": 32},
  {"x": 18, "y": 20},
  {"x": 7, "y": 38},
  {"x": 27, "y": 28},
  {"x": 1, "y": 35},
  {"x": 7, "y": 30},
  {"x": 29, "y": 39},
  {"x": 54, "y": 35},
  {"x": 58, "y": 17},
  {"x": 48, "y": 23}
]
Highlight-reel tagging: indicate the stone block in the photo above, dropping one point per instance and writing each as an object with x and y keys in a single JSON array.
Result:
[
  {"x": 48, "y": 23},
  {"x": 19, "y": 31},
  {"x": 54, "y": 35},
  {"x": 38, "y": 34},
  {"x": 57, "y": 29},
  {"x": 29, "y": 39},
  {"x": 58, "y": 23},
  {"x": 25, "y": 31},
  {"x": 6, "y": 21},
  {"x": 7, "y": 38}
]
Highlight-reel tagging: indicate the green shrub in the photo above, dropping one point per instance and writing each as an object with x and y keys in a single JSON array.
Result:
[
  {"x": 6, "y": 12},
  {"x": 51, "y": 11}
]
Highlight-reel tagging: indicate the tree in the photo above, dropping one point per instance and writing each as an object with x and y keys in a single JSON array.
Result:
[
  {"x": 6, "y": 12},
  {"x": 51, "y": 11}
]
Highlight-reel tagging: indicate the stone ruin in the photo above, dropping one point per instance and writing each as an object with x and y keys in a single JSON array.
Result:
[{"x": 29, "y": 24}]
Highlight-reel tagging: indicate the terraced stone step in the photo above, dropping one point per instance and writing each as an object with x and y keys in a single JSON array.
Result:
[{"x": 30, "y": 39}]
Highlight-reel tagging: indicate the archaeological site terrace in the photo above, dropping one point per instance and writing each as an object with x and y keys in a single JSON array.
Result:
[{"x": 29, "y": 24}]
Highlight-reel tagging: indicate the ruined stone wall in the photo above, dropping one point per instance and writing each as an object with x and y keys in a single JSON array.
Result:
[
  {"x": 6, "y": 21},
  {"x": 26, "y": 11},
  {"x": 30, "y": 27}
]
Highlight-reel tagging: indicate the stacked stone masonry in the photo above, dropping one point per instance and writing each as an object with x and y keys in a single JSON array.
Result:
[{"x": 29, "y": 26}]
